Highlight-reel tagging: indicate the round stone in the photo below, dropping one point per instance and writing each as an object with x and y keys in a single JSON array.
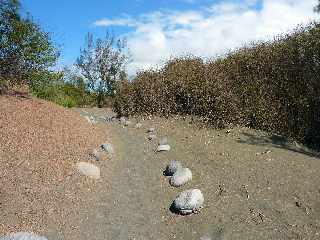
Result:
[
  {"x": 189, "y": 201},
  {"x": 152, "y": 137},
  {"x": 172, "y": 167},
  {"x": 107, "y": 147},
  {"x": 181, "y": 177},
  {"x": 88, "y": 170}
]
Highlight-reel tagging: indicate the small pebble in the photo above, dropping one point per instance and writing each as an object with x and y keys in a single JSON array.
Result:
[
  {"x": 151, "y": 130},
  {"x": 163, "y": 148}
]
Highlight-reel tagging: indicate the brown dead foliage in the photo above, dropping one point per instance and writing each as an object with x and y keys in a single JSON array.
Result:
[{"x": 273, "y": 86}]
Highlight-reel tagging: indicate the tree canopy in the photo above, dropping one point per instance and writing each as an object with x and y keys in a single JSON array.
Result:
[
  {"x": 102, "y": 63},
  {"x": 25, "y": 49}
]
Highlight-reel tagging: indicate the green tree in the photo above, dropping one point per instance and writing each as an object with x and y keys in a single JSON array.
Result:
[
  {"x": 25, "y": 49},
  {"x": 102, "y": 63}
]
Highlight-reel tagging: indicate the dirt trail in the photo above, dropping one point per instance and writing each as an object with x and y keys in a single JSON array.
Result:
[
  {"x": 255, "y": 186},
  {"x": 131, "y": 205}
]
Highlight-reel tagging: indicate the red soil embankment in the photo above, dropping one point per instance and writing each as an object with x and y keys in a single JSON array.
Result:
[{"x": 39, "y": 144}]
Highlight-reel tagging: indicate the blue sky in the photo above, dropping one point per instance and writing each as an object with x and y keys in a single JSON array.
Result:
[{"x": 159, "y": 29}]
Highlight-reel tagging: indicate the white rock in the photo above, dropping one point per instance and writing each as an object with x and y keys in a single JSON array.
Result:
[
  {"x": 22, "y": 236},
  {"x": 107, "y": 147},
  {"x": 189, "y": 201},
  {"x": 88, "y": 170},
  {"x": 181, "y": 177},
  {"x": 151, "y": 130},
  {"x": 162, "y": 148},
  {"x": 172, "y": 167},
  {"x": 163, "y": 141}
]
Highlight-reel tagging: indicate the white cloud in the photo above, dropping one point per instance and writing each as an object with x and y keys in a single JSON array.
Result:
[
  {"x": 215, "y": 30},
  {"x": 116, "y": 22}
]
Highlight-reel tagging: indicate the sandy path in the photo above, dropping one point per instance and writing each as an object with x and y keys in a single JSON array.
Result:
[
  {"x": 250, "y": 193},
  {"x": 131, "y": 206}
]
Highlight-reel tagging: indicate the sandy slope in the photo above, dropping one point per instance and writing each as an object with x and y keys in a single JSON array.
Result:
[{"x": 39, "y": 144}]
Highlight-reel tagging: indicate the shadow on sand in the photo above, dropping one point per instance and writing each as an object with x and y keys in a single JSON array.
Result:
[{"x": 278, "y": 142}]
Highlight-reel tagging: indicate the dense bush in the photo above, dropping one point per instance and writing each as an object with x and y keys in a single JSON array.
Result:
[{"x": 272, "y": 86}]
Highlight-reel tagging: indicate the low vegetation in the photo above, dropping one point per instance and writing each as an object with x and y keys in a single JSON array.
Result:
[
  {"x": 64, "y": 88},
  {"x": 273, "y": 86}
]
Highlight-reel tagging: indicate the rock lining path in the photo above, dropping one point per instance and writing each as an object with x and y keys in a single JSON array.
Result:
[{"x": 248, "y": 196}]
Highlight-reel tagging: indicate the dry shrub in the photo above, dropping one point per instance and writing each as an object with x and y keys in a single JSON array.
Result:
[{"x": 272, "y": 86}]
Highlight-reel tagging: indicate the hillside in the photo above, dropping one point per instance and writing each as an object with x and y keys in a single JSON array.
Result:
[{"x": 40, "y": 142}]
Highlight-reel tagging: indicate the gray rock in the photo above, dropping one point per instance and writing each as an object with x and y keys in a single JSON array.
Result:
[
  {"x": 163, "y": 148},
  {"x": 172, "y": 167},
  {"x": 152, "y": 137},
  {"x": 22, "y": 236},
  {"x": 181, "y": 177},
  {"x": 88, "y": 170},
  {"x": 189, "y": 201},
  {"x": 96, "y": 154},
  {"x": 107, "y": 147}
]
